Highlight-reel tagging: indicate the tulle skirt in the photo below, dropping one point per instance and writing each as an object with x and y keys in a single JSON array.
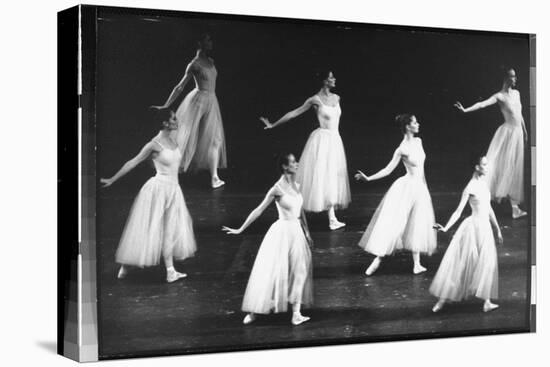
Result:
[
  {"x": 323, "y": 172},
  {"x": 200, "y": 130},
  {"x": 505, "y": 157},
  {"x": 159, "y": 223},
  {"x": 403, "y": 220},
  {"x": 282, "y": 271},
  {"x": 469, "y": 266}
]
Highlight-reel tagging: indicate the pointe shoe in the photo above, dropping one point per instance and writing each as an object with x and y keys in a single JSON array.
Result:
[
  {"x": 122, "y": 272},
  {"x": 216, "y": 182},
  {"x": 174, "y": 275},
  {"x": 489, "y": 306},
  {"x": 335, "y": 224},
  {"x": 372, "y": 267},
  {"x": 298, "y": 319},
  {"x": 438, "y": 306},
  {"x": 419, "y": 269},
  {"x": 249, "y": 318},
  {"x": 518, "y": 213}
]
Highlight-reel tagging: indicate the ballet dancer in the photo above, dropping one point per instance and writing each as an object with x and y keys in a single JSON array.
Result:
[
  {"x": 470, "y": 264},
  {"x": 323, "y": 173},
  {"x": 505, "y": 153},
  {"x": 405, "y": 217},
  {"x": 159, "y": 224},
  {"x": 200, "y": 132},
  {"x": 282, "y": 270}
]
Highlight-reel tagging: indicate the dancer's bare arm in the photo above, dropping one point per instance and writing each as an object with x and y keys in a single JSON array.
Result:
[
  {"x": 390, "y": 167},
  {"x": 178, "y": 89},
  {"x": 494, "y": 222},
  {"x": 289, "y": 115},
  {"x": 271, "y": 195},
  {"x": 454, "y": 217},
  {"x": 479, "y": 105},
  {"x": 145, "y": 152}
]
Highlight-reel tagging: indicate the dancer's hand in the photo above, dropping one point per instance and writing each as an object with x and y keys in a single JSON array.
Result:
[
  {"x": 499, "y": 238},
  {"x": 106, "y": 182},
  {"x": 268, "y": 125},
  {"x": 439, "y": 227},
  {"x": 360, "y": 176},
  {"x": 231, "y": 230},
  {"x": 459, "y": 106}
]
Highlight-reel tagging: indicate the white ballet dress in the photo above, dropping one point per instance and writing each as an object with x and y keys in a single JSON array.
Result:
[
  {"x": 159, "y": 222},
  {"x": 405, "y": 217},
  {"x": 323, "y": 172},
  {"x": 506, "y": 151},
  {"x": 282, "y": 271},
  {"x": 200, "y": 122},
  {"x": 470, "y": 264}
]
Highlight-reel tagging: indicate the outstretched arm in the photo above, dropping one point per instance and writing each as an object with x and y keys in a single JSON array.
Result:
[
  {"x": 178, "y": 88},
  {"x": 457, "y": 212},
  {"x": 254, "y": 214},
  {"x": 130, "y": 165},
  {"x": 479, "y": 105},
  {"x": 289, "y": 115},
  {"x": 494, "y": 222},
  {"x": 384, "y": 171}
]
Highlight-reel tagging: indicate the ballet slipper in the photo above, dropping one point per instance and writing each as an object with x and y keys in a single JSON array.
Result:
[
  {"x": 518, "y": 213},
  {"x": 372, "y": 267},
  {"x": 216, "y": 182},
  {"x": 298, "y": 319},
  {"x": 438, "y": 306},
  {"x": 122, "y": 272},
  {"x": 172, "y": 276},
  {"x": 418, "y": 269},
  {"x": 335, "y": 224},
  {"x": 249, "y": 318},
  {"x": 489, "y": 306}
]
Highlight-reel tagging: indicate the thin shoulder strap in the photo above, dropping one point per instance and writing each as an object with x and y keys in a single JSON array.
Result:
[{"x": 158, "y": 142}]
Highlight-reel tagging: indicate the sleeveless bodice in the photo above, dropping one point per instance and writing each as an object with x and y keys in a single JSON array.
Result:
[
  {"x": 413, "y": 158},
  {"x": 329, "y": 116},
  {"x": 167, "y": 161},
  {"x": 510, "y": 106},
  {"x": 289, "y": 205},
  {"x": 205, "y": 77},
  {"x": 480, "y": 197}
]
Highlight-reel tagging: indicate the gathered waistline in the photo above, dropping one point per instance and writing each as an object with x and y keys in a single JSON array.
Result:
[
  {"x": 166, "y": 178},
  {"x": 205, "y": 91}
]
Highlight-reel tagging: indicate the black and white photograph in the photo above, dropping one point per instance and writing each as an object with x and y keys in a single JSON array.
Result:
[
  {"x": 295, "y": 183},
  {"x": 249, "y": 183}
]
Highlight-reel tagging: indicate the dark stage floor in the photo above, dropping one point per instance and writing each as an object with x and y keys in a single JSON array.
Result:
[{"x": 144, "y": 315}]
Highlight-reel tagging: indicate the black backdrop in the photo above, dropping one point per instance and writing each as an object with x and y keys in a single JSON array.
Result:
[{"x": 267, "y": 67}]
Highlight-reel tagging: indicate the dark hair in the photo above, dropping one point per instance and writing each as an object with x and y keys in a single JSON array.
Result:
[
  {"x": 201, "y": 36},
  {"x": 475, "y": 158},
  {"x": 321, "y": 75},
  {"x": 403, "y": 120},
  {"x": 283, "y": 160},
  {"x": 504, "y": 70},
  {"x": 160, "y": 116}
]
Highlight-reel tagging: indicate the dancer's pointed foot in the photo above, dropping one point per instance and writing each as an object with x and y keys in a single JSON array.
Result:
[
  {"x": 335, "y": 224},
  {"x": 372, "y": 267},
  {"x": 216, "y": 182},
  {"x": 418, "y": 269},
  {"x": 489, "y": 306},
  {"x": 438, "y": 306},
  {"x": 249, "y": 318},
  {"x": 298, "y": 318},
  {"x": 518, "y": 213},
  {"x": 122, "y": 272},
  {"x": 172, "y": 276}
]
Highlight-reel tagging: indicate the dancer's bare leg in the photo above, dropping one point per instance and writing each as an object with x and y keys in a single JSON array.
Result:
[
  {"x": 333, "y": 221},
  {"x": 213, "y": 158},
  {"x": 438, "y": 306},
  {"x": 122, "y": 272},
  {"x": 418, "y": 268},
  {"x": 297, "y": 317}
]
